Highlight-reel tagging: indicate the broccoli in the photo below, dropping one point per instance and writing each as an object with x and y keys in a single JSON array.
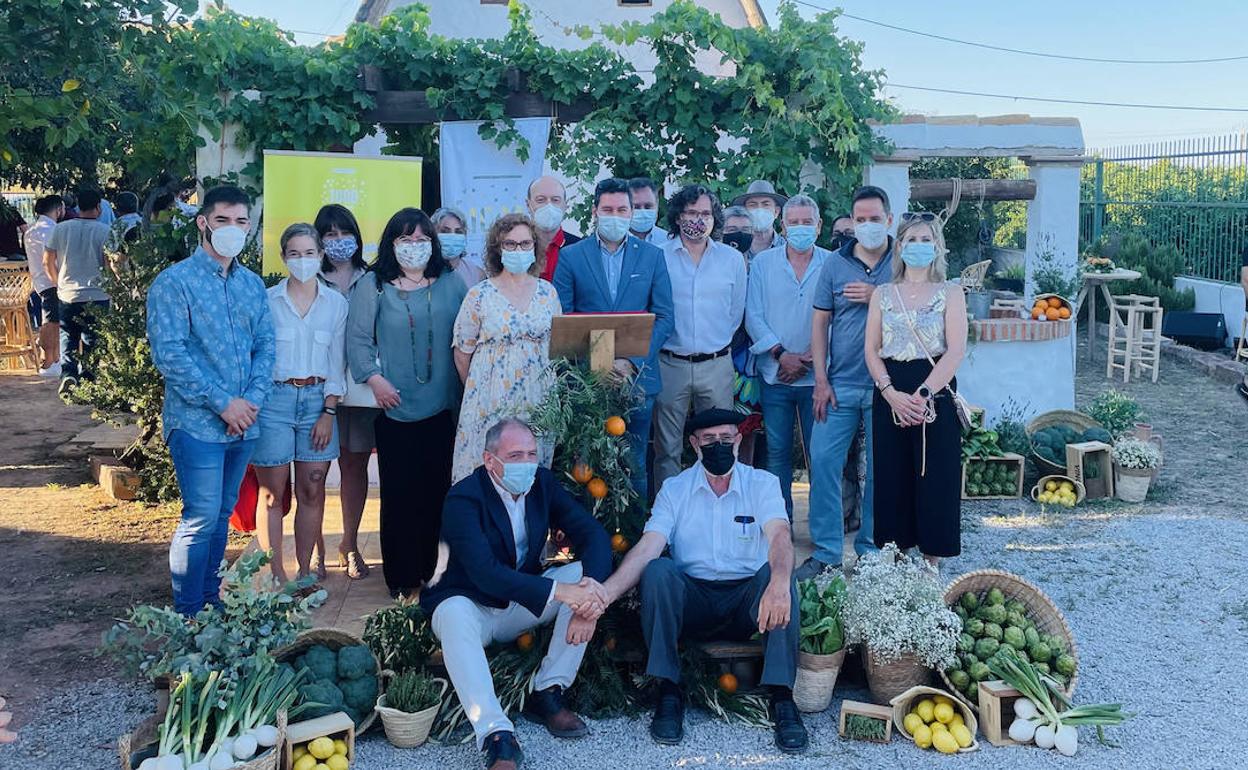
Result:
[
  {"x": 324, "y": 692},
  {"x": 355, "y": 661},
  {"x": 321, "y": 662},
  {"x": 359, "y": 694}
]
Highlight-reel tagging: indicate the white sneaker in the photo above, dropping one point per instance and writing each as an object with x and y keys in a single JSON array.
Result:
[{"x": 52, "y": 371}]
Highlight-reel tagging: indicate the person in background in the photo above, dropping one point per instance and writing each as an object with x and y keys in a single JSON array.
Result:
[
  {"x": 452, "y": 227},
  {"x": 48, "y": 211},
  {"x": 211, "y": 333},
  {"x": 778, "y": 312},
  {"x": 645, "y": 194},
  {"x": 71, "y": 206},
  {"x": 183, "y": 199},
  {"x": 708, "y": 296},
  {"x": 75, "y": 255},
  {"x": 107, "y": 215},
  {"x": 842, "y": 396},
  {"x": 12, "y": 225},
  {"x": 842, "y": 231},
  {"x": 915, "y": 341},
  {"x": 1242, "y": 388},
  {"x": 399, "y": 336},
  {"x": 737, "y": 229},
  {"x": 341, "y": 269},
  {"x": 547, "y": 201},
  {"x": 298, "y": 419},
  {"x": 613, "y": 272},
  {"x": 126, "y": 227},
  {"x": 502, "y": 339},
  {"x": 763, "y": 205}
]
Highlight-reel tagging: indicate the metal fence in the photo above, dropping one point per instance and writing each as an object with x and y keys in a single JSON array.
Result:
[{"x": 1191, "y": 193}]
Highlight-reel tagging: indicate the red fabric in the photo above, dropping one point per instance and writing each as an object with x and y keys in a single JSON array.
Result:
[
  {"x": 243, "y": 519},
  {"x": 552, "y": 255}
]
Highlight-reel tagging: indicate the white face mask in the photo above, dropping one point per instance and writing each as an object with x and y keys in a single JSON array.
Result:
[
  {"x": 228, "y": 241},
  {"x": 762, "y": 219},
  {"x": 548, "y": 218},
  {"x": 414, "y": 256},
  {"x": 872, "y": 235},
  {"x": 303, "y": 268}
]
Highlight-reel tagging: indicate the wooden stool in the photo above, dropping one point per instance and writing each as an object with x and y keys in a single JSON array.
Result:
[
  {"x": 1134, "y": 336},
  {"x": 17, "y": 339},
  {"x": 1241, "y": 347}
]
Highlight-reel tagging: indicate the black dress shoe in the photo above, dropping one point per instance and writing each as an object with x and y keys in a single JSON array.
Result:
[
  {"x": 502, "y": 752},
  {"x": 546, "y": 707},
  {"x": 668, "y": 725},
  {"x": 791, "y": 736}
]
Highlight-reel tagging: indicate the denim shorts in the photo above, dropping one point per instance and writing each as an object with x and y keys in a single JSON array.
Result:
[{"x": 286, "y": 421}]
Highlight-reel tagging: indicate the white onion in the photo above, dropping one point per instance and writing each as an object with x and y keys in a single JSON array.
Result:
[
  {"x": 222, "y": 760},
  {"x": 1067, "y": 740},
  {"x": 244, "y": 746},
  {"x": 265, "y": 735},
  {"x": 151, "y": 763},
  {"x": 1045, "y": 736},
  {"x": 226, "y": 746},
  {"x": 1023, "y": 730},
  {"x": 169, "y": 762},
  {"x": 200, "y": 765},
  {"x": 1025, "y": 709}
]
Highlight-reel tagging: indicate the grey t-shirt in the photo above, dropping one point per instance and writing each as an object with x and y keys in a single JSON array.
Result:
[
  {"x": 847, "y": 364},
  {"x": 79, "y": 247}
]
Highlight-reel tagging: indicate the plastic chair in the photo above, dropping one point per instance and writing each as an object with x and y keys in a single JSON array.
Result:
[
  {"x": 17, "y": 339},
  {"x": 973, "y": 276},
  {"x": 1134, "y": 336}
]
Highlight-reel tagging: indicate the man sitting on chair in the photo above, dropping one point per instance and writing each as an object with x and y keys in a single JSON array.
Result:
[
  {"x": 494, "y": 524},
  {"x": 730, "y": 575}
]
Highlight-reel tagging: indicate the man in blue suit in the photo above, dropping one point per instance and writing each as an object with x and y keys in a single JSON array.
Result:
[
  {"x": 495, "y": 524},
  {"x": 616, "y": 272}
]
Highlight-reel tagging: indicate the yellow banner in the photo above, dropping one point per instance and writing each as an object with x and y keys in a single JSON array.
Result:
[{"x": 297, "y": 184}]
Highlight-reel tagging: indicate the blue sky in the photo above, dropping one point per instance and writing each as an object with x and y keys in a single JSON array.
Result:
[{"x": 1098, "y": 28}]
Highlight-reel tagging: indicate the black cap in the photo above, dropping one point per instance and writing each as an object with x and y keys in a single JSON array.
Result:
[{"x": 709, "y": 418}]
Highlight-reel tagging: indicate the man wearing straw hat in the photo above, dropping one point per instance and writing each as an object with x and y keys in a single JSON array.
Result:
[{"x": 763, "y": 204}]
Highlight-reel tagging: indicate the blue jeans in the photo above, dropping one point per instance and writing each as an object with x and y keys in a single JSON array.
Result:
[
  {"x": 830, "y": 442},
  {"x": 209, "y": 475},
  {"x": 639, "y": 440},
  {"x": 77, "y": 327},
  {"x": 782, "y": 405}
]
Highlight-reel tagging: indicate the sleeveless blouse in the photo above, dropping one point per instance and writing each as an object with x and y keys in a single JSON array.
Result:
[{"x": 899, "y": 343}]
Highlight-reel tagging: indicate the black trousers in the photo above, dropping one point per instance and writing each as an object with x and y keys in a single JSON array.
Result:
[{"x": 414, "y": 466}]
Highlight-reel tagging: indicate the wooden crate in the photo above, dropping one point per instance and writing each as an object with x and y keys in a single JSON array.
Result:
[
  {"x": 1014, "y": 460},
  {"x": 868, "y": 710},
  {"x": 335, "y": 725},
  {"x": 1097, "y": 452},
  {"x": 996, "y": 711}
]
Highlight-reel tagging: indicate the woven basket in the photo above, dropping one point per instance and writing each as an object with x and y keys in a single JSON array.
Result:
[
  {"x": 334, "y": 640},
  {"x": 901, "y": 707},
  {"x": 888, "y": 680},
  {"x": 1040, "y": 608},
  {"x": 1080, "y": 492},
  {"x": 408, "y": 730},
  {"x": 131, "y": 747},
  {"x": 1077, "y": 420},
  {"x": 816, "y": 679}
]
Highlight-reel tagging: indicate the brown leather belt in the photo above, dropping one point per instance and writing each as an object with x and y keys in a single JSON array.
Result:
[{"x": 303, "y": 382}]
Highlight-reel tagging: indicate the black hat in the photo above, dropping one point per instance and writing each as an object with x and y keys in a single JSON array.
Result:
[{"x": 709, "y": 418}]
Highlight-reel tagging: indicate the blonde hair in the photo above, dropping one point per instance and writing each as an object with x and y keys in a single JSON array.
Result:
[{"x": 936, "y": 270}]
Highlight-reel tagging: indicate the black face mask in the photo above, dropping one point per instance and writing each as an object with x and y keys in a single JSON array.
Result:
[
  {"x": 839, "y": 240},
  {"x": 739, "y": 241},
  {"x": 718, "y": 458}
]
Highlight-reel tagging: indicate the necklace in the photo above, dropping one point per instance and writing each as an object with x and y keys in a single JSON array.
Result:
[{"x": 411, "y": 328}]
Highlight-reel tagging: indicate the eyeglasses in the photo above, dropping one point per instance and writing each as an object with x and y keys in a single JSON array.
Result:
[
  {"x": 516, "y": 245},
  {"x": 922, "y": 216},
  {"x": 689, "y": 216}
]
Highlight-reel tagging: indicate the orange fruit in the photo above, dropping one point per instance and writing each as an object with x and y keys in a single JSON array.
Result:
[
  {"x": 1036, "y": 313},
  {"x": 615, "y": 426},
  {"x": 619, "y": 543},
  {"x": 1054, "y": 302},
  {"x": 1052, "y": 314},
  {"x": 582, "y": 473},
  {"x": 1063, "y": 312},
  {"x": 525, "y": 641},
  {"x": 597, "y": 488},
  {"x": 728, "y": 683}
]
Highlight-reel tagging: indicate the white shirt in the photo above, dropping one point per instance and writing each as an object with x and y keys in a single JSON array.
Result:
[
  {"x": 708, "y": 299},
  {"x": 519, "y": 529},
  {"x": 310, "y": 345},
  {"x": 36, "y": 239},
  {"x": 779, "y": 309},
  {"x": 707, "y": 540}
]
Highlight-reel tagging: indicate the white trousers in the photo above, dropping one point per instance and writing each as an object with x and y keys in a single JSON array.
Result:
[{"x": 465, "y": 628}]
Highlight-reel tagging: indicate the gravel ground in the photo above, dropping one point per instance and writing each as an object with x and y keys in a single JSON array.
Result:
[{"x": 1155, "y": 594}]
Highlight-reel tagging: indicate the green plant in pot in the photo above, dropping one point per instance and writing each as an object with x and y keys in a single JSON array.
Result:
[
  {"x": 409, "y": 706},
  {"x": 822, "y": 649},
  {"x": 1135, "y": 462}
]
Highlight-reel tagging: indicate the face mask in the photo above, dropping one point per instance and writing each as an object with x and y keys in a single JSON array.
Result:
[
  {"x": 303, "y": 268},
  {"x": 548, "y": 218},
  {"x": 612, "y": 229},
  {"x": 840, "y": 239},
  {"x": 918, "y": 254},
  {"x": 453, "y": 244},
  {"x": 643, "y": 220},
  {"x": 228, "y": 241},
  {"x": 695, "y": 229},
  {"x": 872, "y": 235},
  {"x": 800, "y": 237},
  {"x": 518, "y": 477},
  {"x": 739, "y": 241},
  {"x": 718, "y": 458},
  {"x": 341, "y": 249},
  {"x": 762, "y": 219},
  {"x": 518, "y": 262},
  {"x": 413, "y": 256}
]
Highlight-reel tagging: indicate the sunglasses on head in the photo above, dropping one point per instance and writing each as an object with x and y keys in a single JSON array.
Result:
[{"x": 922, "y": 216}]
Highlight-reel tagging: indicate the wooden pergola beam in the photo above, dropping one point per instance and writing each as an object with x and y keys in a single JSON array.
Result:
[
  {"x": 413, "y": 107},
  {"x": 974, "y": 189}
]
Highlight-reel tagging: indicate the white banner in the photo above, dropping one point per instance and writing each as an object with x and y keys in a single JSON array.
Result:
[{"x": 484, "y": 181}]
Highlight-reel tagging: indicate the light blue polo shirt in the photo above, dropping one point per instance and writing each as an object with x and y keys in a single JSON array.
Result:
[{"x": 847, "y": 366}]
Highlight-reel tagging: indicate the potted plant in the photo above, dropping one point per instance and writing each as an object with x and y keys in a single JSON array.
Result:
[
  {"x": 1134, "y": 464},
  {"x": 895, "y": 609},
  {"x": 408, "y": 707},
  {"x": 822, "y": 650}
]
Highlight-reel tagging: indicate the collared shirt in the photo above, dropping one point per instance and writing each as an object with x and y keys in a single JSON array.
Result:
[
  {"x": 778, "y": 309},
  {"x": 847, "y": 363},
  {"x": 612, "y": 263},
  {"x": 36, "y": 239},
  {"x": 515, "y": 507},
  {"x": 356, "y": 274},
  {"x": 552, "y": 253},
  {"x": 212, "y": 338},
  {"x": 657, "y": 236},
  {"x": 715, "y": 537},
  {"x": 79, "y": 247},
  {"x": 310, "y": 345},
  {"x": 118, "y": 231},
  {"x": 107, "y": 215},
  {"x": 777, "y": 240},
  {"x": 708, "y": 298}
]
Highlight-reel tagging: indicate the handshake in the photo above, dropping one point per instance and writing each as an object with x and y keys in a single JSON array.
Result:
[{"x": 587, "y": 598}]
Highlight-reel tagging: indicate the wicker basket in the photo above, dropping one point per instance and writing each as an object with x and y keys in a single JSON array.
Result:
[
  {"x": 1077, "y": 420},
  {"x": 408, "y": 730},
  {"x": 334, "y": 640},
  {"x": 131, "y": 747},
  {"x": 888, "y": 680},
  {"x": 901, "y": 707},
  {"x": 1080, "y": 492},
  {"x": 1040, "y": 608},
  {"x": 816, "y": 679}
]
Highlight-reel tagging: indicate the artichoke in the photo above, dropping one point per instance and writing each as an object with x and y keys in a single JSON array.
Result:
[
  {"x": 1065, "y": 664},
  {"x": 1014, "y": 637},
  {"x": 974, "y": 627},
  {"x": 985, "y": 648},
  {"x": 996, "y": 597},
  {"x": 969, "y": 601},
  {"x": 1040, "y": 652},
  {"x": 992, "y": 631}
]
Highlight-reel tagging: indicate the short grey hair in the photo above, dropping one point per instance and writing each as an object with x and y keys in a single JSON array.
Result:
[
  {"x": 495, "y": 433},
  {"x": 298, "y": 229},
  {"x": 736, "y": 211},
  {"x": 448, "y": 211},
  {"x": 801, "y": 202}
]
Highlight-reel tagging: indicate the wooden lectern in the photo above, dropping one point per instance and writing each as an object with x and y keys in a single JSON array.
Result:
[{"x": 603, "y": 336}]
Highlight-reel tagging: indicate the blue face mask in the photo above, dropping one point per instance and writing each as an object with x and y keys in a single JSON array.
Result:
[
  {"x": 341, "y": 249},
  {"x": 453, "y": 244},
  {"x": 918, "y": 254},
  {"x": 800, "y": 237},
  {"x": 518, "y": 477},
  {"x": 517, "y": 262},
  {"x": 643, "y": 220},
  {"x": 613, "y": 229}
]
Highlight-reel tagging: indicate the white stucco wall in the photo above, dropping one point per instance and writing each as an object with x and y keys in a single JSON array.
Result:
[
  {"x": 994, "y": 372},
  {"x": 1217, "y": 297}
]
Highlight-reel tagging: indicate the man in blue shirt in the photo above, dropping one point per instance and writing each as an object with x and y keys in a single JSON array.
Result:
[
  {"x": 615, "y": 272},
  {"x": 842, "y": 395},
  {"x": 212, "y": 338}
]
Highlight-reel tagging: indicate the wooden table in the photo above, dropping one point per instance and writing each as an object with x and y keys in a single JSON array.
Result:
[{"x": 1098, "y": 282}]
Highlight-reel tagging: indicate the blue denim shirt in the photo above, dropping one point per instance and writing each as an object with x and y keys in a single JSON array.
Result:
[
  {"x": 212, "y": 338},
  {"x": 847, "y": 365}
]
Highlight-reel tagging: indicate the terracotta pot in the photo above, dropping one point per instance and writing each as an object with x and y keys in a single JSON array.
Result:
[{"x": 888, "y": 680}]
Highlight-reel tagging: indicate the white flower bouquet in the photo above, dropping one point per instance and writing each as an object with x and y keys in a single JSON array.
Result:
[{"x": 1131, "y": 452}]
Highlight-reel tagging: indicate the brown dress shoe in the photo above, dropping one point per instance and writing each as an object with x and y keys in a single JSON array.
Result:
[
  {"x": 502, "y": 752},
  {"x": 546, "y": 708}
]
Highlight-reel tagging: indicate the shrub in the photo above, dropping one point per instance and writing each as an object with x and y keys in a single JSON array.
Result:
[{"x": 1115, "y": 410}]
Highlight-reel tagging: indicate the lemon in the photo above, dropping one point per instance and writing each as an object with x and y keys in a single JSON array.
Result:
[
  {"x": 320, "y": 766},
  {"x": 1050, "y": 486},
  {"x": 337, "y": 762},
  {"x": 340, "y": 746},
  {"x": 957, "y": 720},
  {"x": 942, "y": 699},
  {"x": 924, "y": 709},
  {"x": 298, "y": 752},
  {"x": 305, "y": 762},
  {"x": 912, "y": 722},
  {"x": 944, "y": 742},
  {"x": 1067, "y": 486},
  {"x": 1045, "y": 497},
  {"x": 321, "y": 748},
  {"x": 922, "y": 737},
  {"x": 943, "y": 713},
  {"x": 961, "y": 735},
  {"x": 938, "y": 727}
]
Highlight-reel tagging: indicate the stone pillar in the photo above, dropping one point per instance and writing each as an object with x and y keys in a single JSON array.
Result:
[
  {"x": 892, "y": 176},
  {"x": 1053, "y": 217}
]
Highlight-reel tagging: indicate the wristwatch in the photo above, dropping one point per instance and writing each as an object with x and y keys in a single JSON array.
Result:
[
  {"x": 924, "y": 391},
  {"x": 330, "y": 410},
  {"x": 778, "y": 351}
]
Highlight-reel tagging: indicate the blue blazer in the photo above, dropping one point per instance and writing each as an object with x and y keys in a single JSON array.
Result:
[
  {"x": 644, "y": 287},
  {"x": 478, "y": 533}
]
